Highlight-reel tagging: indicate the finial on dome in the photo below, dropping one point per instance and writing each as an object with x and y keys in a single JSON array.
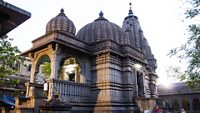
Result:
[
  {"x": 62, "y": 10},
  {"x": 130, "y": 10},
  {"x": 101, "y": 14},
  {"x": 101, "y": 17}
]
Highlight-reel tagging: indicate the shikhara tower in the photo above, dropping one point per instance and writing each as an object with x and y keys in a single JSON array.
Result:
[{"x": 101, "y": 68}]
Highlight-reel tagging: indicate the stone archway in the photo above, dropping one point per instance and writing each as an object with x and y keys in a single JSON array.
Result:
[
  {"x": 42, "y": 63},
  {"x": 70, "y": 70}
]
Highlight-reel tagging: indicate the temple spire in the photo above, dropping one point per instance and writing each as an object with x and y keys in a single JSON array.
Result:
[{"x": 130, "y": 10}]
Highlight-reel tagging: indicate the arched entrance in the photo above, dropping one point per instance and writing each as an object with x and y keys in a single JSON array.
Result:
[
  {"x": 43, "y": 69},
  {"x": 70, "y": 70}
]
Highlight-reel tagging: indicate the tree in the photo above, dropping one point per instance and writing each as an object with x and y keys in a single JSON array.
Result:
[
  {"x": 46, "y": 69},
  {"x": 9, "y": 59},
  {"x": 190, "y": 51}
]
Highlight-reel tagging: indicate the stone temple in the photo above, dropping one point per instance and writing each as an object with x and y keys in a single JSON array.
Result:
[{"x": 101, "y": 68}]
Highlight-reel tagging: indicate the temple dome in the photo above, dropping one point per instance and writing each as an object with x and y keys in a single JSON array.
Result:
[
  {"x": 100, "y": 30},
  {"x": 61, "y": 23}
]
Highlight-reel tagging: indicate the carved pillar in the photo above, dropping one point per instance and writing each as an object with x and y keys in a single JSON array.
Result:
[
  {"x": 127, "y": 83},
  {"x": 51, "y": 88},
  {"x": 54, "y": 52},
  {"x": 53, "y": 64},
  {"x": 135, "y": 87},
  {"x": 32, "y": 76},
  {"x": 30, "y": 88},
  {"x": 152, "y": 84},
  {"x": 127, "y": 79},
  {"x": 140, "y": 83}
]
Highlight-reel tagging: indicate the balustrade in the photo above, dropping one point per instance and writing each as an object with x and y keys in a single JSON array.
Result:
[{"x": 70, "y": 91}]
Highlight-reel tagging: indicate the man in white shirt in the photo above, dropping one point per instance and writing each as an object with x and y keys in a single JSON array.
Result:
[
  {"x": 146, "y": 111},
  {"x": 183, "y": 111},
  {"x": 45, "y": 89}
]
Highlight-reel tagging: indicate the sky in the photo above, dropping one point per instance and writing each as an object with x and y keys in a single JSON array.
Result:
[{"x": 161, "y": 22}]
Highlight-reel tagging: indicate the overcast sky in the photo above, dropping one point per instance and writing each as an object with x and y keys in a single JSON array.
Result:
[{"x": 161, "y": 21}]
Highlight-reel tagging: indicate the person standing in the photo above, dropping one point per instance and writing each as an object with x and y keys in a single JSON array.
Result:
[
  {"x": 45, "y": 89},
  {"x": 156, "y": 110},
  {"x": 183, "y": 111},
  {"x": 146, "y": 110}
]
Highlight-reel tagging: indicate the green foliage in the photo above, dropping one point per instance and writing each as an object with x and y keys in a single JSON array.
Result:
[
  {"x": 194, "y": 11},
  {"x": 190, "y": 51},
  {"x": 9, "y": 59},
  {"x": 46, "y": 69}
]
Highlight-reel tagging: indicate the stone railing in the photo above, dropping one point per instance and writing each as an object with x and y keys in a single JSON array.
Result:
[{"x": 69, "y": 91}]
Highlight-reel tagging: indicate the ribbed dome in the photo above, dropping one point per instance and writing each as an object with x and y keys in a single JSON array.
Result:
[
  {"x": 101, "y": 29},
  {"x": 61, "y": 23}
]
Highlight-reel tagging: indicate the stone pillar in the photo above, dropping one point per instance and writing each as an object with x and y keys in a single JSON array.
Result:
[
  {"x": 140, "y": 83},
  {"x": 54, "y": 52},
  {"x": 135, "y": 87},
  {"x": 53, "y": 64},
  {"x": 30, "y": 88},
  {"x": 127, "y": 79},
  {"x": 128, "y": 83},
  {"x": 190, "y": 104},
  {"x": 32, "y": 76},
  {"x": 152, "y": 84},
  {"x": 51, "y": 88},
  {"x": 180, "y": 103}
]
